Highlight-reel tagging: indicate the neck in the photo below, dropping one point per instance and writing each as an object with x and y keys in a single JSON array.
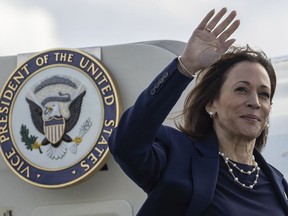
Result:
[{"x": 240, "y": 151}]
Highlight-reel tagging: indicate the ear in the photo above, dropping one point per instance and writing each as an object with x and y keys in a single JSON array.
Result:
[{"x": 210, "y": 107}]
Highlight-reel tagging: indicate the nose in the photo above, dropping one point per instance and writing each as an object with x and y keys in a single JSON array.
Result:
[{"x": 254, "y": 102}]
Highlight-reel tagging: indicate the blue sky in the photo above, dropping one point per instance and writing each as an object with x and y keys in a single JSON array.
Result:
[{"x": 36, "y": 25}]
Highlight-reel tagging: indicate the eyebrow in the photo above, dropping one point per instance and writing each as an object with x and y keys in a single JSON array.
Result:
[{"x": 248, "y": 83}]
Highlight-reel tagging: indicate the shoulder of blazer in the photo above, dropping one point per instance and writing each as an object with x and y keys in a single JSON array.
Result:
[
  {"x": 170, "y": 137},
  {"x": 208, "y": 147},
  {"x": 276, "y": 178}
]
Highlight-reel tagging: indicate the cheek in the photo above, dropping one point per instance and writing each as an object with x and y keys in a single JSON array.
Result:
[
  {"x": 266, "y": 111},
  {"x": 227, "y": 117},
  {"x": 267, "y": 108},
  {"x": 228, "y": 110}
]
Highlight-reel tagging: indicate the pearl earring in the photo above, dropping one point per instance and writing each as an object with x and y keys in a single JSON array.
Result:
[{"x": 211, "y": 114}]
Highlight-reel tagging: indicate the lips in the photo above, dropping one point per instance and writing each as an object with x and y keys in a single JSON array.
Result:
[{"x": 251, "y": 117}]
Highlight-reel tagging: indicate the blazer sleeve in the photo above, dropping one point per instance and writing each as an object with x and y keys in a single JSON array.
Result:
[{"x": 134, "y": 143}]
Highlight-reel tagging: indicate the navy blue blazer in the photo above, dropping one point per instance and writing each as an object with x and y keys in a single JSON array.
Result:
[{"x": 178, "y": 174}]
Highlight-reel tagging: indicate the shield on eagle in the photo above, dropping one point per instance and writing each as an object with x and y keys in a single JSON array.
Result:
[{"x": 54, "y": 129}]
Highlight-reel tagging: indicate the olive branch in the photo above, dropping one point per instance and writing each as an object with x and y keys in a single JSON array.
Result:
[{"x": 29, "y": 140}]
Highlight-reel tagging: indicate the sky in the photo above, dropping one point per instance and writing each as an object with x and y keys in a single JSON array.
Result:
[{"x": 36, "y": 25}]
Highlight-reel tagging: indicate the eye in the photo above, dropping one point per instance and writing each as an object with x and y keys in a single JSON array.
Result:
[
  {"x": 265, "y": 94},
  {"x": 241, "y": 89}
]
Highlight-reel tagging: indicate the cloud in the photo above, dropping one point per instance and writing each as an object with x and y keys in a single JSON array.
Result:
[
  {"x": 25, "y": 29},
  {"x": 39, "y": 24}
]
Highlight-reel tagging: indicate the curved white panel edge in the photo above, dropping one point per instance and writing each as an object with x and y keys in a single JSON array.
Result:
[{"x": 101, "y": 208}]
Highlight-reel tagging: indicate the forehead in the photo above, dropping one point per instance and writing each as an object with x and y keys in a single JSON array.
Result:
[{"x": 251, "y": 72}]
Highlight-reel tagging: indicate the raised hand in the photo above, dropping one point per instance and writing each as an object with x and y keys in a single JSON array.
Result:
[{"x": 209, "y": 41}]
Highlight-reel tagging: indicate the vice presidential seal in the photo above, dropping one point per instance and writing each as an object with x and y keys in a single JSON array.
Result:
[{"x": 57, "y": 111}]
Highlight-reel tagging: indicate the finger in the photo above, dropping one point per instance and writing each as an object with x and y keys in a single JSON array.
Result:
[
  {"x": 216, "y": 19},
  {"x": 206, "y": 19},
  {"x": 223, "y": 25},
  {"x": 229, "y": 31},
  {"x": 225, "y": 46}
]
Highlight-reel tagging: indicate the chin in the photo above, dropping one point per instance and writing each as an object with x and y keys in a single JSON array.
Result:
[
  {"x": 252, "y": 136},
  {"x": 252, "y": 133}
]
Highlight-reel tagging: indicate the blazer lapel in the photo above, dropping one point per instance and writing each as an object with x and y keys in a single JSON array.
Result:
[
  {"x": 204, "y": 166},
  {"x": 277, "y": 180}
]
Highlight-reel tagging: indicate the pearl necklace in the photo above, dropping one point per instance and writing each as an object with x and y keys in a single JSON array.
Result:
[{"x": 256, "y": 168}]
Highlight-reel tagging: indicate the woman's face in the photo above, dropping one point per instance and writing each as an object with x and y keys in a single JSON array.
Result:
[{"x": 243, "y": 106}]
